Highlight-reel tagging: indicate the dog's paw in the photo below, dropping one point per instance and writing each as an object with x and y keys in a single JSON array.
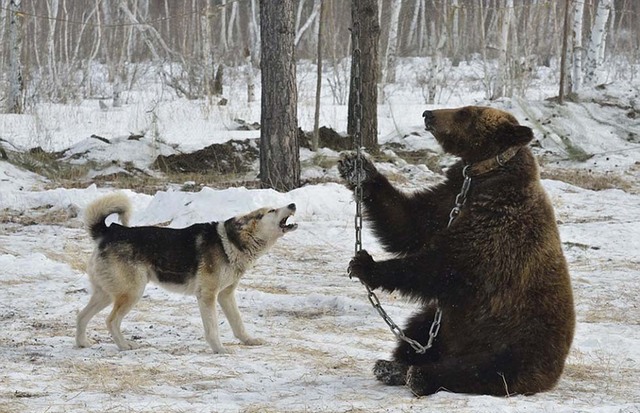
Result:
[
  {"x": 128, "y": 345},
  {"x": 83, "y": 342},
  {"x": 253, "y": 341},
  {"x": 418, "y": 382},
  {"x": 390, "y": 373},
  {"x": 362, "y": 266},
  {"x": 222, "y": 350},
  {"x": 349, "y": 171}
]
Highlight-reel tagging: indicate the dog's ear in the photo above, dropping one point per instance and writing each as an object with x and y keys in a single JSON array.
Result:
[{"x": 233, "y": 227}]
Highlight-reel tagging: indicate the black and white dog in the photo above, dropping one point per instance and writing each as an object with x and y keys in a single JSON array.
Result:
[{"x": 206, "y": 260}]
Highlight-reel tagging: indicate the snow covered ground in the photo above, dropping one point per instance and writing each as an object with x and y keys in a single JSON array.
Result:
[{"x": 322, "y": 336}]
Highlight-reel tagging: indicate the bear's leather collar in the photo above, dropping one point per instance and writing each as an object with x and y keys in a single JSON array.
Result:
[{"x": 490, "y": 164}]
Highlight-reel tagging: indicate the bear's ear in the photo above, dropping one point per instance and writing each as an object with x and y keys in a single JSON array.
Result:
[{"x": 515, "y": 135}]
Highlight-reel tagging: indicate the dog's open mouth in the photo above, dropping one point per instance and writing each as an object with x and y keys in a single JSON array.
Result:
[{"x": 287, "y": 227}]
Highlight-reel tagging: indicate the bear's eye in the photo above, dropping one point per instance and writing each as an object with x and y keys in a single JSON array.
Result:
[{"x": 463, "y": 114}]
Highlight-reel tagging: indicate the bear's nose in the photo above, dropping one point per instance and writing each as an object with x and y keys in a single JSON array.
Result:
[
  {"x": 428, "y": 117},
  {"x": 292, "y": 207}
]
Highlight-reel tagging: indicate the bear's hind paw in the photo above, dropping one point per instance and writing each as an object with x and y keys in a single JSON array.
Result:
[
  {"x": 390, "y": 373},
  {"x": 419, "y": 383}
]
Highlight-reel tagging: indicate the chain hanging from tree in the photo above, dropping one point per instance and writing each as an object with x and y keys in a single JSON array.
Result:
[{"x": 358, "y": 144}]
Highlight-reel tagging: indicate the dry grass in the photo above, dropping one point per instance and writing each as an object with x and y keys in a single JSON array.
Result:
[
  {"x": 74, "y": 254},
  {"x": 595, "y": 181},
  {"x": 45, "y": 215},
  {"x": 48, "y": 164},
  {"x": 112, "y": 378},
  {"x": 598, "y": 372}
]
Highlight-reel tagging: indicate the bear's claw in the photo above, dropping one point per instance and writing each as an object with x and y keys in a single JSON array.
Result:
[
  {"x": 348, "y": 171},
  {"x": 390, "y": 373}
]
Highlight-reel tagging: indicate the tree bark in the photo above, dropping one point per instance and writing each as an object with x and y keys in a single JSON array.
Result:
[
  {"x": 279, "y": 150},
  {"x": 15, "y": 85},
  {"x": 314, "y": 14},
  {"x": 391, "y": 55},
  {"x": 502, "y": 79},
  {"x": 316, "y": 117},
  {"x": 578, "y": 50},
  {"x": 597, "y": 42},
  {"x": 563, "y": 56},
  {"x": 364, "y": 65}
]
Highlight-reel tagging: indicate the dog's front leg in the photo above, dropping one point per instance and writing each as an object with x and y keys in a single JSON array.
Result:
[
  {"x": 207, "y": 304},
  {"x": 230, "y": 307}
]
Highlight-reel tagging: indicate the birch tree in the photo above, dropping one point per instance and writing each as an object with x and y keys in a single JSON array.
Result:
[
  {"x": 502, "y": 79},
  {"x": 391, "y": 54},
  {"x": 315, "y": 141},
  {"x": 312, "y": 17},
  {"x": 455, "y": 32},
  {"x": 15, "y": 85},
  {"x": 577, "y": 49},
  {"x": 597, "y": 43},
  {"x": 52, "y": 9},
  {"x": 207, "y": 49}
]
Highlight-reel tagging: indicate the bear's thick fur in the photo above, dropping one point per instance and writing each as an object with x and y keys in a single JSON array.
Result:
[{"x": 497, "y": 272}]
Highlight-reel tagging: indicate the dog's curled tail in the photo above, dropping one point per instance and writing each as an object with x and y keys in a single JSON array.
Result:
[{"x": 98, "y": 210}]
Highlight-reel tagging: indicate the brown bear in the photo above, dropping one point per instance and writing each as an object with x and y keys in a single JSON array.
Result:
[{"x": 482, "y": 247}]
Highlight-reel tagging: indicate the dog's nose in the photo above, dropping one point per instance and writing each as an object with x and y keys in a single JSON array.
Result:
[
  {"x": 292, "y": 207},
  {"x": 428, "y": 117}
]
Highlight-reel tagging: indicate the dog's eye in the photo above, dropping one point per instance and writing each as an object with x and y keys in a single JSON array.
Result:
[{"x": 272, "y": 210}]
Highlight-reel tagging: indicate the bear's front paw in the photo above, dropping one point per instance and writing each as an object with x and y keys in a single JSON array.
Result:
[
  {"x": 349, "y": 171},
  {"x": 418, "y": 381},
  {"x": 362, "y": 267},
  {"x": 391, "y": 373}
]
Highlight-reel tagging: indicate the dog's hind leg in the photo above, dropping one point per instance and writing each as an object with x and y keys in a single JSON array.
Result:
[
  {"x": 207, "y": 303},
  {"x": 98, "y": 301},
  {"x": 123, "y": 303},
  {"x": 230, "y": 307}
]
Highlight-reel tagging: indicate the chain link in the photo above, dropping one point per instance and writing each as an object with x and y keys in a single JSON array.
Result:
[
  {"x": 461, "y": 198},
  {"x": 357, "y": 53},
  {"x": 357, "y": 137}
]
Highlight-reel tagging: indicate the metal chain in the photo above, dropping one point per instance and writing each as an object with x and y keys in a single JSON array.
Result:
[
  {"x": 461, "y": 198},
  {"x": 357, "y": 137}
]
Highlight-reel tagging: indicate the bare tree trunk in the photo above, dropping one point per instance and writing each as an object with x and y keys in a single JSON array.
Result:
[
  {"x": 364, "y": 16},
  {"x": 223, "y": 27},
  {"x": 436, "y": 66},
  {"x": 315, "y": 141},
  {"x": 3, "y": 31},
  {"x": 597, "y": 42},
  {"x": 52, "y": 6},
  {"x": 309, "y": 21},
  {"x": 578, "y": 50},
  {"x": 254, "y": 30},
  {"x": 207, "y": 50},
  {"x": 455, "y": 33},
  {"x": 232, "y": 20},
  {"x": 279, "y": 150},
  {"x": 502, "y": 79},
  {"x": 251, "y": 83},
  {"x": 391, "y": 54},
  {"x": 15, "y": 85},
  {"x": 251, "y": 50},
  {"x": 563, "y": 57},
  {"x": 411, "y": 39}
]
